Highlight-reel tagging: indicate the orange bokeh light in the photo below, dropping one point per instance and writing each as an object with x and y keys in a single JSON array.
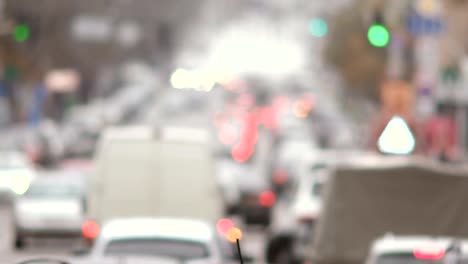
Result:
[
  {"x": 300, "y": 109},
  {"x": 234, "y": 234}
]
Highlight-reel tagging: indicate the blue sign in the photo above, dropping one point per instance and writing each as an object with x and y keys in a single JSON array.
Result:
[
  {"x": 420, "y": 25},
  {"x": 425, "y": 90}
]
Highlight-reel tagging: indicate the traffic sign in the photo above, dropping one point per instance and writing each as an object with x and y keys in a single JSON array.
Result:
[
  {"x": 421, "y": 25},
  {"x": 397, "y": 138}
]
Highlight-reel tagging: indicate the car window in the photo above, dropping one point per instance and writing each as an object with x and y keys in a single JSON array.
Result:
[
  {"x": 53, "y": 191},
  {"x": 178, "y": 249},
  {"x": 403, "y": 259}
]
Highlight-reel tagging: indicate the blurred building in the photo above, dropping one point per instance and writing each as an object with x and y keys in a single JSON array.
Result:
[{"x": 90, "y": 34}]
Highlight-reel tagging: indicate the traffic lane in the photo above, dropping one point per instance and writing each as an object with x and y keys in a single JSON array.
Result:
[{"x": 252, "y": 243}]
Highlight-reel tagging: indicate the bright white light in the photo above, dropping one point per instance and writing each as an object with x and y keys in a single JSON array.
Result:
[
  {"x": 261, "y": 51},
  {"x": 20, "y": 184},
  {"x": 396, "y": 138},
  {"x": 196, "y": 79},
  {"x": 205, "y": 81},
  {"x": 182, "y": 79}
]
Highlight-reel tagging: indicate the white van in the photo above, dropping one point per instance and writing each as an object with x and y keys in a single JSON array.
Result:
[{"x": 141, "y": 171}]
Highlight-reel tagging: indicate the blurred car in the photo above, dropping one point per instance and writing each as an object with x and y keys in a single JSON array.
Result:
[
  {"x": 154, "y": 172},
  {"x": 294, "y": 217},
  {"x": 51, "y": 207},
  {"x": 226, "y": 173},
  {"x": 184, "y": 240},
  {"x": 289, "y": 153},
  {"x": 256, "y": 196},
  {"x": 110, "y": 260},
  {"x": 16, "y": 174},
  {"x": 413, "y": 249},
  {"x": 43, "y": 261},
  {"x": 287, "y": 161}
]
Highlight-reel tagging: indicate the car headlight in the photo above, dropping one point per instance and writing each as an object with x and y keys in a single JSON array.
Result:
[{"x": 19, "y": 185}]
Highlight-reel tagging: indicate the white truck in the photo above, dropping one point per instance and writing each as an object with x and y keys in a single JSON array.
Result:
[{"x": 147, "y": 172}]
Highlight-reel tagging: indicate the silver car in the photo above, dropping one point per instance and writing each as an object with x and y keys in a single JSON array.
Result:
[
  {"x": 184, "y": 240},
  {"x": 51, "y": 207}
]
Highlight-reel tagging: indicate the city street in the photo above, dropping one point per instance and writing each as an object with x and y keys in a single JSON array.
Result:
[
  {"x": 166, "y": 131},
  {"x": 252, "y": 243}
]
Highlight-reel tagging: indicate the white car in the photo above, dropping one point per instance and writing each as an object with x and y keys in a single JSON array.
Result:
[
  {"x": 16, "y": 174},
  {"x": 51, "y": 207},
  {"x": 184, "y": 240},
  {"x": 412, "y": 250}
]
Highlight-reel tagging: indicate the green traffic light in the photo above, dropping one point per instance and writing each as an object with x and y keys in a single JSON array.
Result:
[
  {"x": 318, "y": 27},
  {"x": 378, "y": 35},
  {"x": 21, "y": 33}
]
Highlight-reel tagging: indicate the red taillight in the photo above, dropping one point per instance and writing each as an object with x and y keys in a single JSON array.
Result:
[
  {"x": 90, "y": 229},
  {"x": 280, "y": 177},
  {"x": 267, "y": 198},
  {"x": 429, "y": 253}
]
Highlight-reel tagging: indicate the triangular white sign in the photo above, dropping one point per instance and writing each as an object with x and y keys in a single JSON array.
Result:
[{"x": 396, "y": 138}]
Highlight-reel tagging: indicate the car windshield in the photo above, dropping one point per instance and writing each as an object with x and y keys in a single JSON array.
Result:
[
  {"x": 404, "y": 259},
  {"x": 43, "y": 190},
  {"x": 179, "y": 249}
]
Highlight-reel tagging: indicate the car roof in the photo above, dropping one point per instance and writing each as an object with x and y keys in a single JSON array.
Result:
[
  {"x": 407, "y": 244},
  {"x": 9, "y": 159},
  {"x": 170, "y": 228}
]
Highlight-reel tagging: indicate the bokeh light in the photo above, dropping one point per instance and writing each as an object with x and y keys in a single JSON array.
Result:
[
  {"x": 21, "y": 33},
  {"x": 280, "y": 177},
  {"x": 20, "y": 184},
  {"x": 224, "y": 225},
  {"x": 234, "y": 234},
  {"x": 267, "y": 198},
  {"x": 318, "y": 27},
  {"x": 241, "y": 152},
  {"x": 301, "y": 109},
  {"x": 378, "y": 35},
  {"x": 397, "y": 138},
  {"x": 181, "y": 79},
  {"x": 90, "y": 229}
]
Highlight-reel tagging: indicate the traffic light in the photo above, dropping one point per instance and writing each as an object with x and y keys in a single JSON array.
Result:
[
  {"x": 318, "y": 27},
  {"x": 21, "y": 33},
  {"x": 378, "y": 34}
]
